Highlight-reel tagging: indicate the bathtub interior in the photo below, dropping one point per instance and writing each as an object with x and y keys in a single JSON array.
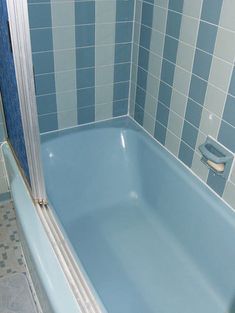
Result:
[{"x": 150, "y": 236}]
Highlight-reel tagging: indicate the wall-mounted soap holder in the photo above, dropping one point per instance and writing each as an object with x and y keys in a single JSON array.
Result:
[{"x": 216, "y": 157}]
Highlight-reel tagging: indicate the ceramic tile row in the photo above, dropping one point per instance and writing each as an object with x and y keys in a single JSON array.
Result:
[{"x": 183, "y": 79}]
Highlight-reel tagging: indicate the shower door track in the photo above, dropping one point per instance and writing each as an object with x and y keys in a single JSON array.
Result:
[{"x": 77, "y": 280}]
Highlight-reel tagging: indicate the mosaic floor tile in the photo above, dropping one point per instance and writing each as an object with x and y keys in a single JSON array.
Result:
[{"x": 12, "y": 262}]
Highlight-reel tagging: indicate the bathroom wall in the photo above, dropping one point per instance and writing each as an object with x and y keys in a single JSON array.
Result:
[
  {"x": 82, "y": 56},
  {"x": 183, "y": 79},
  {"x": 9, "y": 92}
]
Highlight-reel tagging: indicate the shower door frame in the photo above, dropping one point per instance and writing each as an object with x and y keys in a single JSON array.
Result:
[
  {"x": 21, "y": 49},
  {"x": 22, "y": 54}
]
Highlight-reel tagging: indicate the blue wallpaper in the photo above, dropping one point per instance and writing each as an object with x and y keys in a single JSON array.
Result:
[{"x": 9, "y": 92}]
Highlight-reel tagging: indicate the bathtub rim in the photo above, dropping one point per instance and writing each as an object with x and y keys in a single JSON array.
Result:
[{"x": 60, "y": 297}]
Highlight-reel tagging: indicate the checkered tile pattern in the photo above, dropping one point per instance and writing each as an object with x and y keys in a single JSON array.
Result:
[
  {"x": 82, "y": 58},
  {"x": 183, "y": 79}
]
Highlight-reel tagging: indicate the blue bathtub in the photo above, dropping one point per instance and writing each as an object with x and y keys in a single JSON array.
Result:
[{"x": 149, "y": 235}]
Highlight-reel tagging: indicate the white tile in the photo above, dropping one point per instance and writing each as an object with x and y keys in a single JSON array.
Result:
[
  {"x": 189, "y": 30},
  {"x": 66, "y": 101},
  {"x": 159, "y": 19},
  {"x": 149, "y": 123},
  {"x": 192, "y": 8},
  {"x": 105, "y": 34},
  {"x": 185, "y": 56},
  {"x": 67, "y": 119},
  {"x": 64, "y": 60},
  {"x": 157, "y": 42},
  {"x": 104, "y": 55},
  {"x": 105, "y": 11},
  {"x": 182, "y": 80},
  {"x": 104, "y": 94},
  {"x": 103, "y": 111},
  {"x": 199, "y": 168},
  {"x": 152, "y": 86},
  {"x": 104, "y": 75},
  {"x": 209, "y": 123},
  {"x": 227, "y": 16},
  {"x": 178, "y": 103},
  {"x": 175, "y": 123},
  {"x": 154, "y": 65},
  {"x": 65, "y": 81},
  {"x": 172, "y": 143},
  {"x": 228, "y": 194},
  {"x": 224, "y": 46},
  {"x": 62, "y": 13},
  {"x": 215, "y": 100},
  {"x": 220, "y": 74},
  {"x": 150, "y": 105}
]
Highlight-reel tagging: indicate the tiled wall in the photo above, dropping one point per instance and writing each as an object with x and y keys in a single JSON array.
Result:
[
  {"x": 183, "y": 79},
  {"x": 82, "y": 57}
]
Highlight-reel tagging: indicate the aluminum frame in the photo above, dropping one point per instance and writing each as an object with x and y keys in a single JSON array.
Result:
[{"x": 21, "y": 46}]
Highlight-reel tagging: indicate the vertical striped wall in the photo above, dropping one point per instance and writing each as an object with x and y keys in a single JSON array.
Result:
[
  {"x": 82, "y": 57},
  {"x": 183, "y": 79}
]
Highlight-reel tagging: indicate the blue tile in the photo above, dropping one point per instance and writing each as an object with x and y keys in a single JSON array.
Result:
[
  {"x": 120, "y": 91},
  {"x": 40, "y": 15},
  {"x": 189, "y": 134},
  {"x": 85, "y": 12},
  {"x": 140, "y": 97},
  {"x": 123, "y": 32},
  {"x": 139, "y": 114},
  {"x": 122, "y": 53},
  {"x": 85, "y": 78},
  {"x": 6, "y": 196},
  {"x": 48, "y": 122},
  {"x": 229, "y": 110},
  {"x": 147, "y": 14},
  {"x": 170, "y": 49},
  {"x": 46, "y": 104},
  {"x": 197, "y": 89},
  {"x": 186, "y": 154},
  {"x": 193, "y": 113},
  {"x": 45, "y": 84},
  {"x": 124, "y": 10},
  {"x": 145, "y": 36},
  {"x": 85, "y": 97},
  {"x": 202, "y": 64},
  {"x": 176, "y": 5},
  {"x": 43, "y": 62},
  {"x": 120, "y": 107},
  {"x": 173, "y": 24},
  {"x": 206, "y": 37},
  {"x": 85, "y": 57},
  {"x": 162, "y": 114},
  {"x": 167, "y": 73},
  {"x": 232, "y": 84},
  {"x": 211, "y": 10},
  {"x": 142, "y": 78},
  {"x": 216, "y": 182},
  {"x": 85, "y": 35},
  {"x": 160, "y": 133},
  {"x": 41, "y": 40},
  {"x": 143, "y": 60},
  {"x": 86, "y": 115},
  {"x": 227, "y": 135},
  {"x": 165, "y": 92},
  {"x": 121, "y": 72}
]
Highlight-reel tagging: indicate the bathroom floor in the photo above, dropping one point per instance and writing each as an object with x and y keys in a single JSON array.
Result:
[{"x": 12, "y": 260}]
